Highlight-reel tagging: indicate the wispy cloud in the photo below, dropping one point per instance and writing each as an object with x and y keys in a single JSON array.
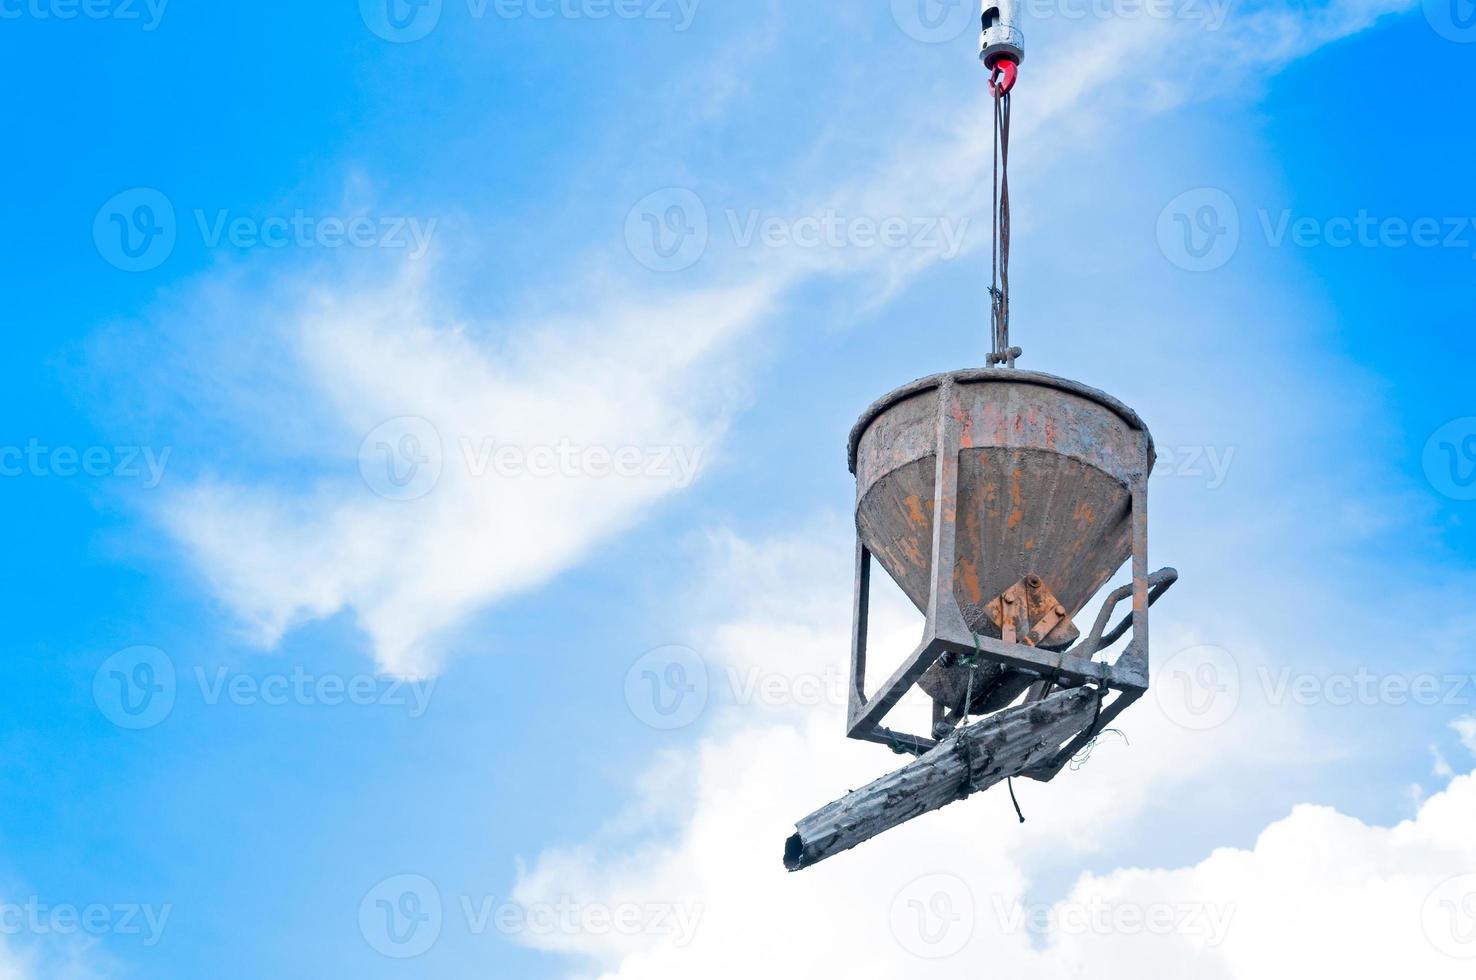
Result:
[
  {"x": 956, "y": 886},
  {"x": 394, "y": 374},
  {"x": 1466, "y": 729},
  {"x": 468, "y": 473}
]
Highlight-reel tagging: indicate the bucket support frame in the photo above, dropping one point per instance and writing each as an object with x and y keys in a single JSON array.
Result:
[{"x": 947, "y": 632}]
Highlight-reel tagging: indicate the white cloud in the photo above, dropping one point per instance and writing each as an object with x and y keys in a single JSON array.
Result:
[
  {"x": 1312, "y": 889},
  {"x": 1316, "y": 888},
  {"x": 1466, "y": 729},
  {"x": 1320, "y": 892},
  {"x": 633, "y": 369},
  {"x": 53, "y": 953},
  {"x": 1440, "y": 768},
  {"x": 649, "y": 382}
]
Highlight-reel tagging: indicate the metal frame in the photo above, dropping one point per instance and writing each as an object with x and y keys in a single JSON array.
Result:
[{"x": 947, "y": 632}]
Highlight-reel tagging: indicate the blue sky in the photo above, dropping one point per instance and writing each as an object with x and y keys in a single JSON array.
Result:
[{"x": 454, "y": 659}]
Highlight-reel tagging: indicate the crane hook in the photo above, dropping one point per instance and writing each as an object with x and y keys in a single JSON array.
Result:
[{"x": 1006, "y": 72}]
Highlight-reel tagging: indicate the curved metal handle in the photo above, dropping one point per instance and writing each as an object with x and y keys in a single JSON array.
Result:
[{"x": 1158, "y": 584}]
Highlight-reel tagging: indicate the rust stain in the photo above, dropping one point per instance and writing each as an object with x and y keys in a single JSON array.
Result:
[
  {"x": 971, "y": 523},
  {"x": 915, "y": 514},
  {"x": 1017, "y": 512},
  {"x": 1085, "y": 514},
  {"x": 967, "y": 574},
  {"x": 996, "y": 421}
]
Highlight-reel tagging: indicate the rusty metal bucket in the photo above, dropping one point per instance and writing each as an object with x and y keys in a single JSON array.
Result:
[{"x": 1045, "y": 471}]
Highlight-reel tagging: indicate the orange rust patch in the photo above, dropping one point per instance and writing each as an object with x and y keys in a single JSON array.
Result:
[
  {"x": 967, "y": 575},
  {"x": 915, "y": 514},
  {"x": 1085, "y": 514},
  {"x": 1017, "y": 512},
  {"x": 965, "y": 425},
  {"x": 995, "y": 422}
]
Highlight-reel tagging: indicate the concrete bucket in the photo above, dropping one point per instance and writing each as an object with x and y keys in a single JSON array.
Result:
[
  {"x": 1001, "y": 501},
  {"x": 1044, "y": 518}
]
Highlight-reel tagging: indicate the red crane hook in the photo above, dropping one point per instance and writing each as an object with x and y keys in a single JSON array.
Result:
[{"x": 1006, "y": 72}]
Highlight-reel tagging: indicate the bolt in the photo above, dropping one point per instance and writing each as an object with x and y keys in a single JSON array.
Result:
[
  {"x": 1060, "y": 610},
  {"x": 1033, "y": 581}
]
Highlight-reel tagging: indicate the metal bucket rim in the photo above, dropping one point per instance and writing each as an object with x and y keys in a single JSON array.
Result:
[{"x": 985, "y": 375}]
